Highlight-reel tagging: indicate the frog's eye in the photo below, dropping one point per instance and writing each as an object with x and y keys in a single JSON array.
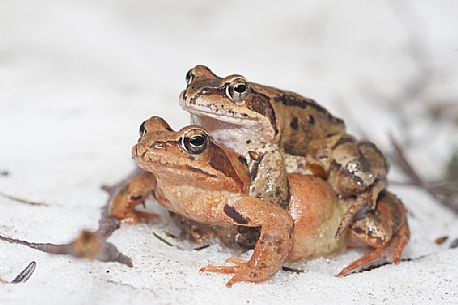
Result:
[
  {"x": 143, "y": 130},
  {"x": 237, "y": 90},
  {"x": 195, "y": 141},
  {"x": 190, "y": 76}
]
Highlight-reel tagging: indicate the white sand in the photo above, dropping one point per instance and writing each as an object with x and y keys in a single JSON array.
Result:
[{"x": 78, "y": 78}]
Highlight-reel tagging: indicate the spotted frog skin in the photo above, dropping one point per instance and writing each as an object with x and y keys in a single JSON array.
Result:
[
  {"x": 280, "y": 131},
  {"x": 192, "y": 176}
]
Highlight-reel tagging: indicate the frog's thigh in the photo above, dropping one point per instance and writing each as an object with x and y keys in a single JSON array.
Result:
[{"x": 131, "y": 194}]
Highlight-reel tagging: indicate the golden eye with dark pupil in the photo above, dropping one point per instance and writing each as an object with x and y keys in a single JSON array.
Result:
[
  {"x": 195, "y": 144},
  {"x": 189, "y": 77},
  {"x": 238, "y": 90},
  {"x": 142, "y": 131}
]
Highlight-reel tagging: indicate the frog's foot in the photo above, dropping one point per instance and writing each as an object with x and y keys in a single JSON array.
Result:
[
  {"x": 389, "y": 254},
  {"x": 242, "y": 271},
  {"x": 136, "y": 217}
]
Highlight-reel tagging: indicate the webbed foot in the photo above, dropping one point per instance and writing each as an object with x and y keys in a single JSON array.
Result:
[{"x": 242, "y": 271}]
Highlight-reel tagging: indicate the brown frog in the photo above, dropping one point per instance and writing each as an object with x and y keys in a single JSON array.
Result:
[
  {"x": 280, "y": 131},
  {"x": 191, "y": 175}
]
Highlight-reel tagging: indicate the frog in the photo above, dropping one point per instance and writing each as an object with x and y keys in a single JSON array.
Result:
[
  {"x": 279, "y": 132},
  {"x": 190, "y": 174}
]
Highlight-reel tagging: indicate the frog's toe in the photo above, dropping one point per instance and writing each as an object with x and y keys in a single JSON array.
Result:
[
  {"x": 226, "y": 269},
  {"x": 219, "y": 269}
]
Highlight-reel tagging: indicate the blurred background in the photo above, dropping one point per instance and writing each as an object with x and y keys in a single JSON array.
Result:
[{"x": 83, "y": 73}]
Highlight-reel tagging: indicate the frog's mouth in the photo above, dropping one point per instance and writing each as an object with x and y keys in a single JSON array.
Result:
[
  {"x": 230, "y": 116},
  {"x": 233, "y": 119}
]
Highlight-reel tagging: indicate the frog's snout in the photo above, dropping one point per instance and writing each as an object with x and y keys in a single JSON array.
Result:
[
  {"x": 182, "y": 98},
  {"x": 138, "y": 151}
]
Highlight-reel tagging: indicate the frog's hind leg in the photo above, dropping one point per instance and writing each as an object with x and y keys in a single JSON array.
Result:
[
  {"x": 385, "y": 230},
  {"x": 358, "y": 171}
]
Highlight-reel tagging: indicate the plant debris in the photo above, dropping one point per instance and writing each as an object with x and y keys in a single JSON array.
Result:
[
  {"x": 201, "y": 247},
  {"x": 454, "y": 244},
  {"x": 440, "y": 240},
  {"x": 21, "y": 200},
  {"x": 87, "y": 245},
  {"x": 4, "y": 173},
  {"x": 23, "y": 276},
  {"x": 168, "y": 234},
  {"x": 445, "y": 192},
  {"x": 163, "y": 240},
  {"x": 289, "y": 269}
]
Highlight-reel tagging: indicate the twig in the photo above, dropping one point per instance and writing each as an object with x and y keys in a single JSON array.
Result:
[
  {"x": 163, "y": 240},
  {"x": 86, "y": 245},
  {"x": 443, "y": 192},
  {"x": 405, "y": 165},
  {"x": 21, "y": 200},
  {"x": 289, "y": 269},
  {"x": 201, "y": 247}
]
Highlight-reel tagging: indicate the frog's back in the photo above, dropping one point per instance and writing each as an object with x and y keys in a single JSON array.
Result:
[{"x": 301, "y": 121}]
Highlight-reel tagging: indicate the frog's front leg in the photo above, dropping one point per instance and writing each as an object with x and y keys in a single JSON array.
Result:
[
  {"x": 269, "y": 180},
  {"x": 385, "y": 231},
  {"x": 272, "y": 247},
  {"x": 131, "y": 194},
  {"x": 358, "y": 171}
]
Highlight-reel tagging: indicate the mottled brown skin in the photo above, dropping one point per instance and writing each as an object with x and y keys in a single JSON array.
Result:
[
  {"x": 299, "y": 134},
  {"x": 208, "y": 185}
]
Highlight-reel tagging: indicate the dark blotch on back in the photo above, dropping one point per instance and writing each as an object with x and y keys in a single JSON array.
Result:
[{"x": 302, "y": 102}]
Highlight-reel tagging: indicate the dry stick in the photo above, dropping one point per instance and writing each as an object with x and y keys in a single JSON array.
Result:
[
  {"x": 90, "y": 245},
  {"x": 86, "y": 245},
  {"x": 289, "y": 269},
  {"x": 21, "y": 200},
  {"x": 405, "y": 165},
  {"x": 415, "y": 179}
]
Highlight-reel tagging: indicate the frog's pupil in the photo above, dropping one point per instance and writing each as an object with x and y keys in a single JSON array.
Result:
[
  {"x": 197, "y": 141},
  {"x": 240, "y": 88}
]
